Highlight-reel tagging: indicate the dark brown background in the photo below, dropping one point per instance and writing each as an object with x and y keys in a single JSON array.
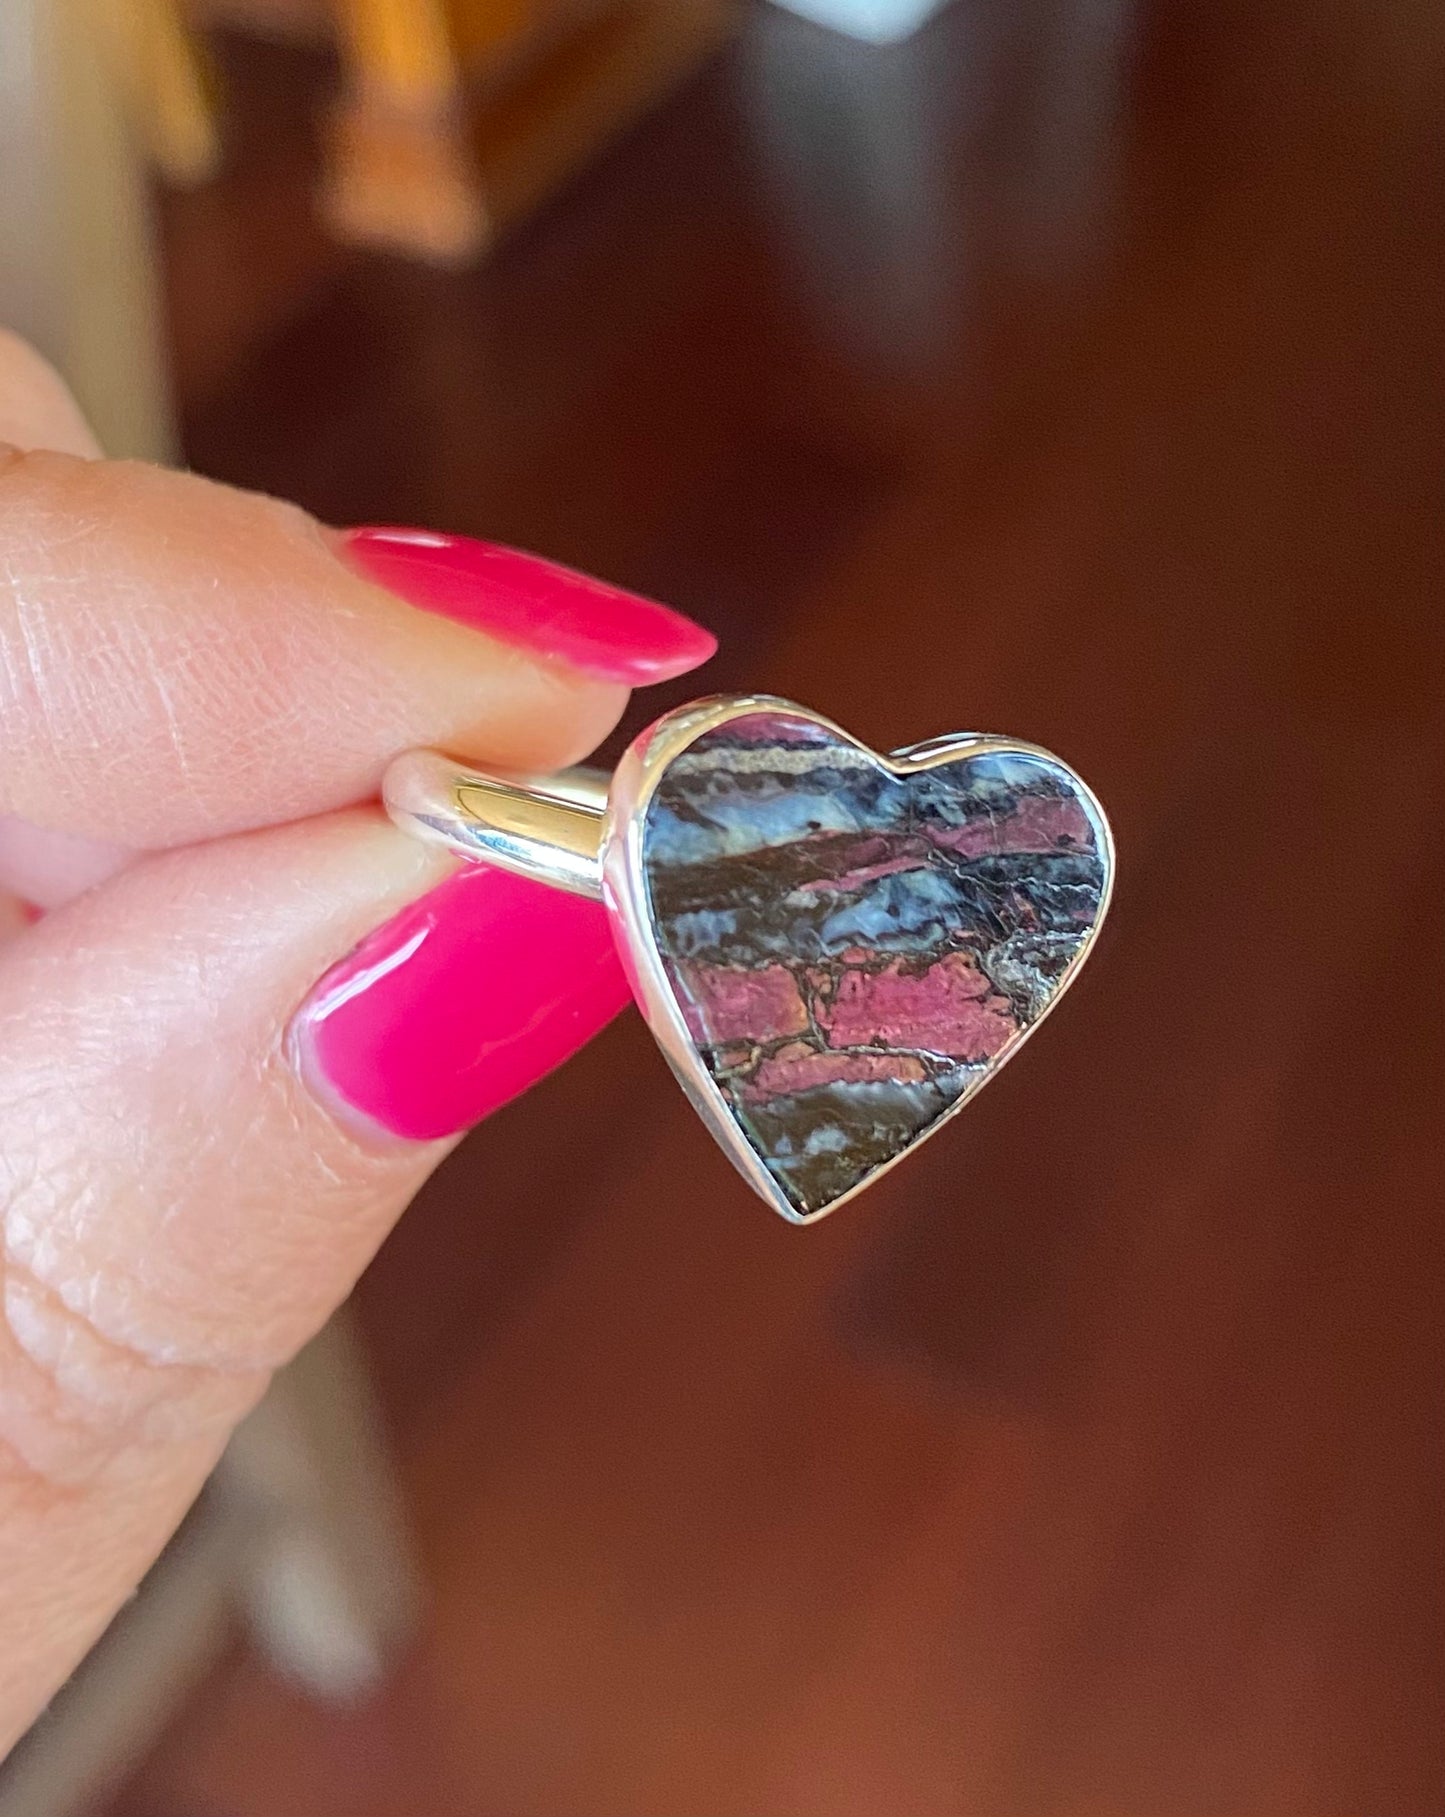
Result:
[{"x": 1074, "y": 371}]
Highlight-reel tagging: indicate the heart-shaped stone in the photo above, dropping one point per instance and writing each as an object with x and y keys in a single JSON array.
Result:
[{"x": 852, "y": 945}]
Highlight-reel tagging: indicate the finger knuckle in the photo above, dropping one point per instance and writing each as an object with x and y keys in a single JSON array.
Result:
[{"x": 76, "y": 1395}]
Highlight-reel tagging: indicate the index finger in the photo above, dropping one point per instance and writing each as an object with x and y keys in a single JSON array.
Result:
[{"x": 179, "y": 660}]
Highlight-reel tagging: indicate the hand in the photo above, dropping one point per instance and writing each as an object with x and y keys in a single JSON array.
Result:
[{"x": 212, "y": 1105}]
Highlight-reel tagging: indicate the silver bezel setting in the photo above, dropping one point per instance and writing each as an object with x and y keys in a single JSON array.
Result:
[{"x": 625, "y": 889}]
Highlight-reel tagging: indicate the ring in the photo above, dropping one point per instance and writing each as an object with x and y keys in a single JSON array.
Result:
[{"x": 834, "y": 949}]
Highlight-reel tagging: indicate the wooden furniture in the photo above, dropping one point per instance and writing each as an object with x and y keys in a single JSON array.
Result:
[{"x": 455, "y": 118}]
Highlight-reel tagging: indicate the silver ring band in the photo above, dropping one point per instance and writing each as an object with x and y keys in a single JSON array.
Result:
[{"x": 547, "y": 828}]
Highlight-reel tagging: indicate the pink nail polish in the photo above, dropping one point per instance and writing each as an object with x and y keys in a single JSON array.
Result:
[
  {"x": 460, "y": 1002},
  {"x": 521, "y": 599}
]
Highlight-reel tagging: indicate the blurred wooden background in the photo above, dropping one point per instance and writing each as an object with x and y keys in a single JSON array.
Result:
[
  {"x": 1073, "y": 370},
  {"x": 450, "y": 120}
]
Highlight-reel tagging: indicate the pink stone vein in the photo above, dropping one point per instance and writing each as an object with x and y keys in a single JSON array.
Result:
[
  {"x": 723, "y": 1004},
  {"x": 1037, "y": 824},
  {"x": 798, "y": 1068},
  {"x": 949, "y": 1008}
]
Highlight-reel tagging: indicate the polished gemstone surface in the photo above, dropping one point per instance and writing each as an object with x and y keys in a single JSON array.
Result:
[{"x": 854, "y": 952}]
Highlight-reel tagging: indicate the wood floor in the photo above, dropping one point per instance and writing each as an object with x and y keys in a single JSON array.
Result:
[{"x": 1074, "y": 371}]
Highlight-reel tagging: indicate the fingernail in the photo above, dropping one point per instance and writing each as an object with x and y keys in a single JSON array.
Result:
[
  {"x": 459, "y": 1003},
  {"x": 535, "y": 604}
]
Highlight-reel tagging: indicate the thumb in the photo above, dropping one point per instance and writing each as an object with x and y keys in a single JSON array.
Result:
[{"x": 210, "y": 1115}]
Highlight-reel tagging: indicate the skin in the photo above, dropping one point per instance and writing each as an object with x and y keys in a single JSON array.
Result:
[{"x": 196, "y": 703}]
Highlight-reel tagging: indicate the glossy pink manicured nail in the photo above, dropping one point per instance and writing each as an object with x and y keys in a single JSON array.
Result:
[
  {"x": 460, "y": 1002},
  {"x": 524, "y": 600}
]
